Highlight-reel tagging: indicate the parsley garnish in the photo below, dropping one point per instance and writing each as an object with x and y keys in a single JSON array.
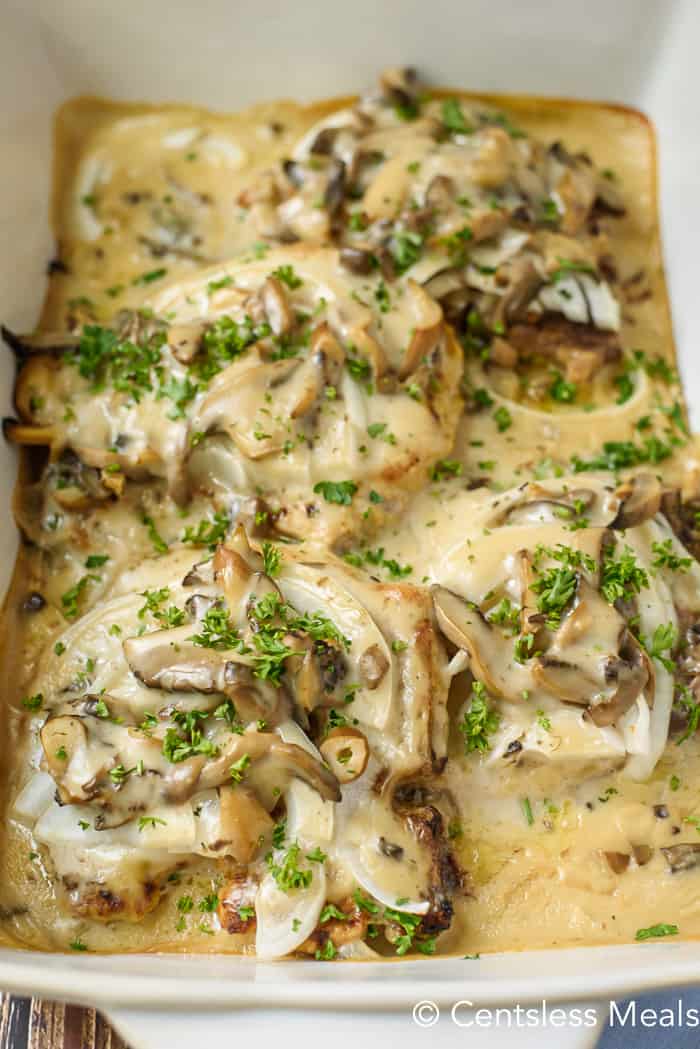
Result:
[
  {"x": 340, "y": 492},
  {"x": 187, "y": 739},
  {"x": 159, "y": 544},
  {"x": 562, "y": 391},
  {"x": 209, "y": 532},
  {"x": 33, "y": 702},
  {"x": 662, "y": 640},
  {"x": 288, "y": 276},
  {"x": 453, "y": 117},
  {"x": 446, "y": 468},
  {"x": 654, "y": 931},
  {"x": 272, "y": 560},
  {"x": 480, "y": 720},
  {"x": 666, "y": 558},
  {"x": 622, "y": 578},
  {"x": 150, "y": 821},
  {"x": 287, "y": 874}
]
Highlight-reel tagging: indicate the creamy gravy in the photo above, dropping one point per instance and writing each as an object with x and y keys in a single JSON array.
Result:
[{"x": 360, "y": 424}]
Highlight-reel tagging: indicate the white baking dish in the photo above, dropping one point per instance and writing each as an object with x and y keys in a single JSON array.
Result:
[{"x": 227, "y": 53}]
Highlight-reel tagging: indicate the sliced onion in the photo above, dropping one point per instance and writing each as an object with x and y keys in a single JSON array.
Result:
[
  {"x": 286, "y": 919},
  {"x": 35, "y": 797}
]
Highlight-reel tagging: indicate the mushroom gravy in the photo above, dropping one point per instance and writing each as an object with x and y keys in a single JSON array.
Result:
[{"x": 357, "y": 611}]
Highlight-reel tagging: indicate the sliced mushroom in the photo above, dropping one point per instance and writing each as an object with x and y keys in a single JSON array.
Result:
[
  {"x": 184, "y": 341},
  {"x": 330, "y": 354},
  {"x": 523, "y": 282},
  {"x": 270, "y": 767},
  {"x": 400, "y": 85},
  {"x": 428, "y": 329},
  {"x": 39, "y": 342},
  {"x": 26, "y": 434},
  {"x": 346, "y": 752},
  {"x": 357, "y": 260},
  {"x": 632, "y": 673},
  {"x": 618, "y": 861},
  {"x": 370, "y": 350},
  {"x": 640, "y": 500},
  {"x": 490, "y": 653},
  {"x": 682, "y": 857},
  {"x": 277, "y": 309},
  {"x": 373, "y": 665},
  {"x": 170, "y": 660},
  {"x": 244, "y": 822},
  {"x": 62, "y": 737}
]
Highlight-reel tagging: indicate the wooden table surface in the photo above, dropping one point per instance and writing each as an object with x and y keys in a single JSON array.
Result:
[{"x": 27, "y": 1023}]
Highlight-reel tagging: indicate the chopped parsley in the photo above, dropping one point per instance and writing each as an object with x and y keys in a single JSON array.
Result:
[
  {"x": 238, "y": 768},
  {"x": 480, "y": 721},
  {"x": 340, "y": 492},
  {"x": 686, "y": 703},
  {"x": 159, "y": 544},
  {"x": 288, "y": 876},
  {"x": 34, "y": 702},
  {"x": 446, "y": 468},
  {"x": 502, "y": 418},
  {"x": 555, "y": 589},
  {"x": 623, "y": 577},
  {"x": 656, "y": 931},
  {"x": 667, "y": 559},
  {"x": 272, "y": 560},
  {"x": 188, "y": 738},
  {"x": 151, "y": 821},
  {"x": 662, "y": 640},
  {"x": 149, "y": 277},
  {"x": 209, "y": 532},
  {"x": 102, "y": 357},
  {"x": 562, "y": 391},
  {"x": 288, "y": 276},
  {"x": 453, "y": 117},
  {"x": 406, "y": 248},
  {"x": 72, "y": 598}
]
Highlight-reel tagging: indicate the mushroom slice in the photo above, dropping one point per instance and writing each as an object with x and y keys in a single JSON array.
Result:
[
  {"x": 170, "y": 660},
  {"x": 271, "y": 765},
  {"x": 346, "y": 752},
  {"x": 184, "y": 340},
  {"x": 490, "y": 653},
  {"x": 39, "y": 342},
  {"x": 26, "y": 434},
  {"x": 633, "y": 673},
  {"x": 277, "y": 309},
  {"x": 238, "y": 396},
  {"x": 594, "y": 660},
  {"x": 310, "y": 588},
  {"x": 244, "y": 822},
  {"x": 640, "y": 499},
  {"x": 63, "y": 739},
  {"x": 368, "y": 349},
  {"x": 682, "y": 857},
  {"x": 427, "y": 329}
]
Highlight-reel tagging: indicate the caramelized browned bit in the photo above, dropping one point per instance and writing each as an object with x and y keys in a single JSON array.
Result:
[
  {"x": 236, "y": 902},
  {"x": 558, "y": 339}
]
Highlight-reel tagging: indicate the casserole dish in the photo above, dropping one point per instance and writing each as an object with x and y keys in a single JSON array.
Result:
[{"x": 112, "y": 74}]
